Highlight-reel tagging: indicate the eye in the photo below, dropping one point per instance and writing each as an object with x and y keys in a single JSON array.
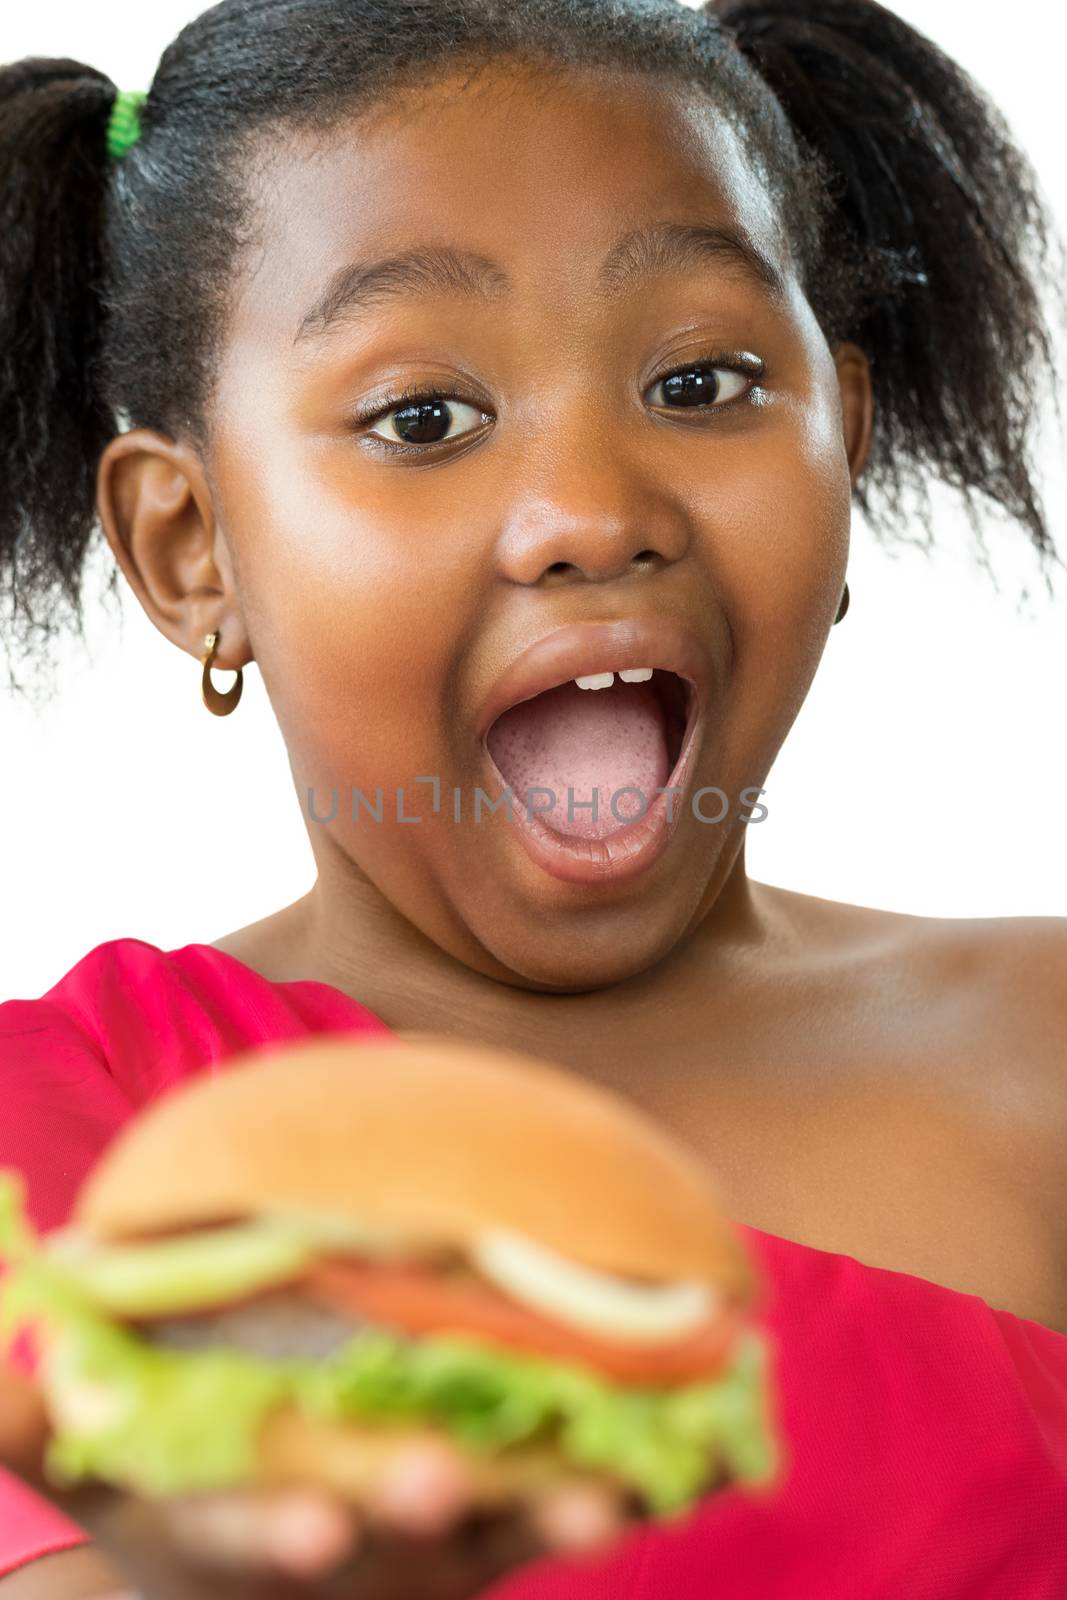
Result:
[
  {"x": 704, "y": 384},
  {"x": 421, "y": 418}
]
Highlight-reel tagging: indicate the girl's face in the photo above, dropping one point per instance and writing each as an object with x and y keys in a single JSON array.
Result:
[{"x": 389, "y": 572}]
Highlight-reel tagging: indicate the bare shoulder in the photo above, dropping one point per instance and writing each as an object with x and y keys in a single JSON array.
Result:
[
  {"x": 1027, "y": 959},
  {"x": 1006, "y": 976},
  {"x": 1016, "y": 980},
  {"x": 988, "y": 992},
  {"x": 1020, "y": 964},
  {"x": 999, "y": 984},
  {"x": 926, "y": 1059},
  {"x": 1004, "y": 962}
]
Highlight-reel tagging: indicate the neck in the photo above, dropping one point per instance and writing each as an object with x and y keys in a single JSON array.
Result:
[{"x": 343, "y": 932}]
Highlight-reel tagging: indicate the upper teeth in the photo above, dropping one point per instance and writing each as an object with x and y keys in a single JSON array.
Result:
[{"x": 604, "y": 680}]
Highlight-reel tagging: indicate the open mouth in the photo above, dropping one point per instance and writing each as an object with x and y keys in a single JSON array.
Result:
[{"x": 602, "y": 747}]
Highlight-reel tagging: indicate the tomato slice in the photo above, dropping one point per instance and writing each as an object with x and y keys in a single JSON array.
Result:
[{"x": 416, "y": 1300}]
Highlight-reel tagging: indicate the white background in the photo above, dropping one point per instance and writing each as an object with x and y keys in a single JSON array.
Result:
[{"x": 927, "y": 771}]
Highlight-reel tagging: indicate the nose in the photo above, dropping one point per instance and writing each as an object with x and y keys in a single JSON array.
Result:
[{"x": 591, "y": 516}]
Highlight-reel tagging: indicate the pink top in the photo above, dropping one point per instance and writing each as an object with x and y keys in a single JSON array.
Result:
[{"x": 927, "y": 1433}]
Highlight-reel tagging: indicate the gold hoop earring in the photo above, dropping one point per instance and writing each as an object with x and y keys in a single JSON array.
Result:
[
  {"x": 843, "y": 607},
  {"x": 215, "y": 700}
]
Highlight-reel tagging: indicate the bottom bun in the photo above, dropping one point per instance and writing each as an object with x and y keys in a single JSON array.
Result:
[{"x": 349, "y": 1462}]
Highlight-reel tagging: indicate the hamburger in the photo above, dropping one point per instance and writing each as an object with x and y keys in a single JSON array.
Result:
[{"x": 275, "y": 1271}]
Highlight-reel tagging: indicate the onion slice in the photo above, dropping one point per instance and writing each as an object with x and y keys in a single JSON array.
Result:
[{"x": 592, "y": 1301}]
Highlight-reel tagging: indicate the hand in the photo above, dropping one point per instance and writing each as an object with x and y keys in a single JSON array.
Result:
[{"x": 415, "y": 1538}]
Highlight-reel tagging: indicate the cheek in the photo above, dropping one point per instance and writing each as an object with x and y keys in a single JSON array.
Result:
[
  {"x": 778, "y": 517},
  {"x": 783, "y": 509},
  {"x": 345, "y": 620}
]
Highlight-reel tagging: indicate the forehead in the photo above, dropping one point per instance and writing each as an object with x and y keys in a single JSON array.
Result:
[{"x": 540, "y": 171}]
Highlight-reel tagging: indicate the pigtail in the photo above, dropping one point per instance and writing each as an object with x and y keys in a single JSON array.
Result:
[
  {"x": 53, "y": 423},
  {"x": 933, "y": 250}
]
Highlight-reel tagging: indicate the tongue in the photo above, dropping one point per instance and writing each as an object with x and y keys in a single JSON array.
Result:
[{"x": 587, "y": 740}]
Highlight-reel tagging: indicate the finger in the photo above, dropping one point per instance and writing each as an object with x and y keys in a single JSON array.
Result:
[
  {"x": 301, "y": 1533},
  {"x": 577, "y": 1516},
  {"x": 309, "y": 1535},
  {"x": 423, "y": 1489},
  {"x": 23, "y": 1422}
]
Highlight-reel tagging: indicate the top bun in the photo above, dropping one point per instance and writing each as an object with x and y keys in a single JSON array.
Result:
[{"x": 438, "y": 1138}]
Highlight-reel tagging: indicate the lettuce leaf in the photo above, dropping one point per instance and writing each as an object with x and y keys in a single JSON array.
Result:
[{"x": 165, "y": 1421}]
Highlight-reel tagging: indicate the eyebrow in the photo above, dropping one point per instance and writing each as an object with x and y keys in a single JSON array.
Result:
[{"x": 425, "y": 270}]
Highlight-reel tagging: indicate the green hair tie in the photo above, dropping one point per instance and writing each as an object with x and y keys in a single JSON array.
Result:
[{"x": 124, "y": 124}]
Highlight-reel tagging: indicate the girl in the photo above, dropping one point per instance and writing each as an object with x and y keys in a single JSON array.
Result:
[{"x": 474, "y": 357}]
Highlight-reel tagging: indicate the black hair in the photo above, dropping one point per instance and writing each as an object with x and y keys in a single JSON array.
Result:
[{"x": 916, "y": 226}]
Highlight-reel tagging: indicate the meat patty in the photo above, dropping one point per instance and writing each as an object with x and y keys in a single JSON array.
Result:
[{"x": 281, "y": 1325}]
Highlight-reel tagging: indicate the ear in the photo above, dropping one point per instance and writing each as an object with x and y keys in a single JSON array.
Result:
[
  {"x": 158, "y": 516},
  {"x": 857, "y": 404}
]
